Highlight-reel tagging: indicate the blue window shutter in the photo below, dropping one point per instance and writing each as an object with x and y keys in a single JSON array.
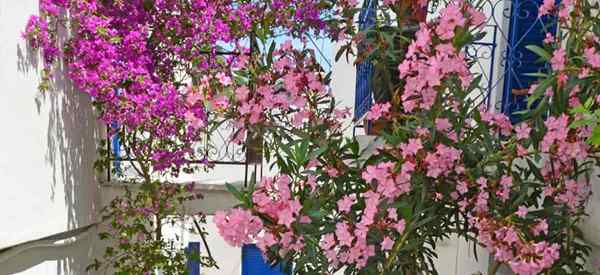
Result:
[
  {"x": 193, "y": 266},
  {"x": 525, "y": 29},
  {"x": 364, "y": 70},
  {"x": 253, "y": 263}
]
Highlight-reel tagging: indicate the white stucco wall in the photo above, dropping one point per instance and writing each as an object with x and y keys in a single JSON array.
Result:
[{"x": 47, "y": 149}]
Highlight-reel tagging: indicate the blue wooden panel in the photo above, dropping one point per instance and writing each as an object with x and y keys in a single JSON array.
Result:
[
  {"x": 253, "y": 263},
  {"x": 525, "y": 29},
  {"x": 116, "y": 149},
  {"x": 116, "y": 144},
  {"x": 193, "y": 266},
  {"x": 364, "y": 71}
]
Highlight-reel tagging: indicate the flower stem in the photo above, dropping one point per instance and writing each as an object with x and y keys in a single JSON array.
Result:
[
  {"x": 394, "y": 253},
  {"x": 494, "y": 268}
]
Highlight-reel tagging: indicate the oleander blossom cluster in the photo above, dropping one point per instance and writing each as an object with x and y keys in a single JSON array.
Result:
[
  {"x": 349, "y": 243},
  {"x": 427, "y": 64},
  {"x": 287, "y": 94},
  {"x": 366, "y": 230}
]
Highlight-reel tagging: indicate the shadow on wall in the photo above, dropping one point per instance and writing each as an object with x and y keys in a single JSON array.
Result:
[
  {"x": 73, "y": 135},
  {"x": 60, "y": 253}
]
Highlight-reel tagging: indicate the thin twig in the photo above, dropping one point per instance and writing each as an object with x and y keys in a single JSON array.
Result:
[{"x": 205, "y": 242}]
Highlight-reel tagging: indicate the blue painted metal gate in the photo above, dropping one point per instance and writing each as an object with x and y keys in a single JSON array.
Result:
[{"x": 526, "y": 28}]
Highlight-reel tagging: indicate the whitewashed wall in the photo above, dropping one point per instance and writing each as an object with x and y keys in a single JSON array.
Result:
[{"x": 47, "y": 148}]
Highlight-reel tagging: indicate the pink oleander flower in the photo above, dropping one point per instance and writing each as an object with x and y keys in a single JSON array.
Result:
[
  {"x": 378, "y": 111},
  {"x": 478, "y": 18},
  {"x": 392, "y": 214},
  {"x": 521, "y": 151},
  {"x": 193, "y": 121},
  {"x": 389, "y": 184},
  {"x": 565, "y": 7},
  {"x": 332, "y": 172},
  {"x": 300, "y": 118},
  {"x": 265, "y": 241},
  {"x": 346, "y": 203},
  {"x": 274, "y": 198},
  {"x": 220, "y": 103},
  {"x": 545, "y": 256},
  {"x": 327, "y": 241},
  {"x": 547, "y": 7},
  {"x": 592, "y": 57},
  {"x": 387, "y": 243},
  {"x": 242, "y": 93},
  {"x": 540, "y": 227},
  {"x": 442, "y": 124},
  {"x": 343, "y": 235},
  {"x": 522, "y": 211},
  {"x": 237, "y": 226},
  {"x": 450, "y": 18},
  {"x": 549, "y": 39},
  {"x": 499, "y": 121},
  {"x": 400, "y": 226},
  {"x": 574, "y": 194},
  {"x": 442, "y": 161},
  {"x": 411, "y": 148},
  {"x": 523, "y": 130},
  {"x": 422, "y": 41},
  {"x": 557, "y": 131},
  {"x": 506, "y": 183},
  {"x": 559, "y": 59}
]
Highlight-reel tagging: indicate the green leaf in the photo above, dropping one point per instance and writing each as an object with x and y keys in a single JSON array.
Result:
[
  {"x": 316, "y": 214},
  {"x": 115, "y": 39},
  {"x": 301, "y": 152},
  {"x": 541, "y": 52},
  {"x": 341, "y": 51},
  {"x": 595, "y": 138},
  {"x": 538, "y": 75},
  {"x": 319, "y": 152},
  {"x": 148, "y": 5},
  {"x": 581, "y": 122},
  {"x": 252, "y": 185},
  {"x": 237, "y": 194},
  {"x": 535, "y": 170},
  {"x": 578, "y": 110},
  {"x": 270, "y": 54}
]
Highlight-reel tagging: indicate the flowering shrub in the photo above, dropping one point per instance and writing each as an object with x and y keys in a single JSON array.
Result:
[
  {"x": 446, "y": 165},
  {"x": 159, "y": 72}
]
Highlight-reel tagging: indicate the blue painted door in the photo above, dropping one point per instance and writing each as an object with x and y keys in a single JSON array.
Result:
[
  {"x": 253, "y": 263},
  {"x": 193, "y": 265},
  {"x": 525, "y": 29},
  {"x": 364, "y": 70}
]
